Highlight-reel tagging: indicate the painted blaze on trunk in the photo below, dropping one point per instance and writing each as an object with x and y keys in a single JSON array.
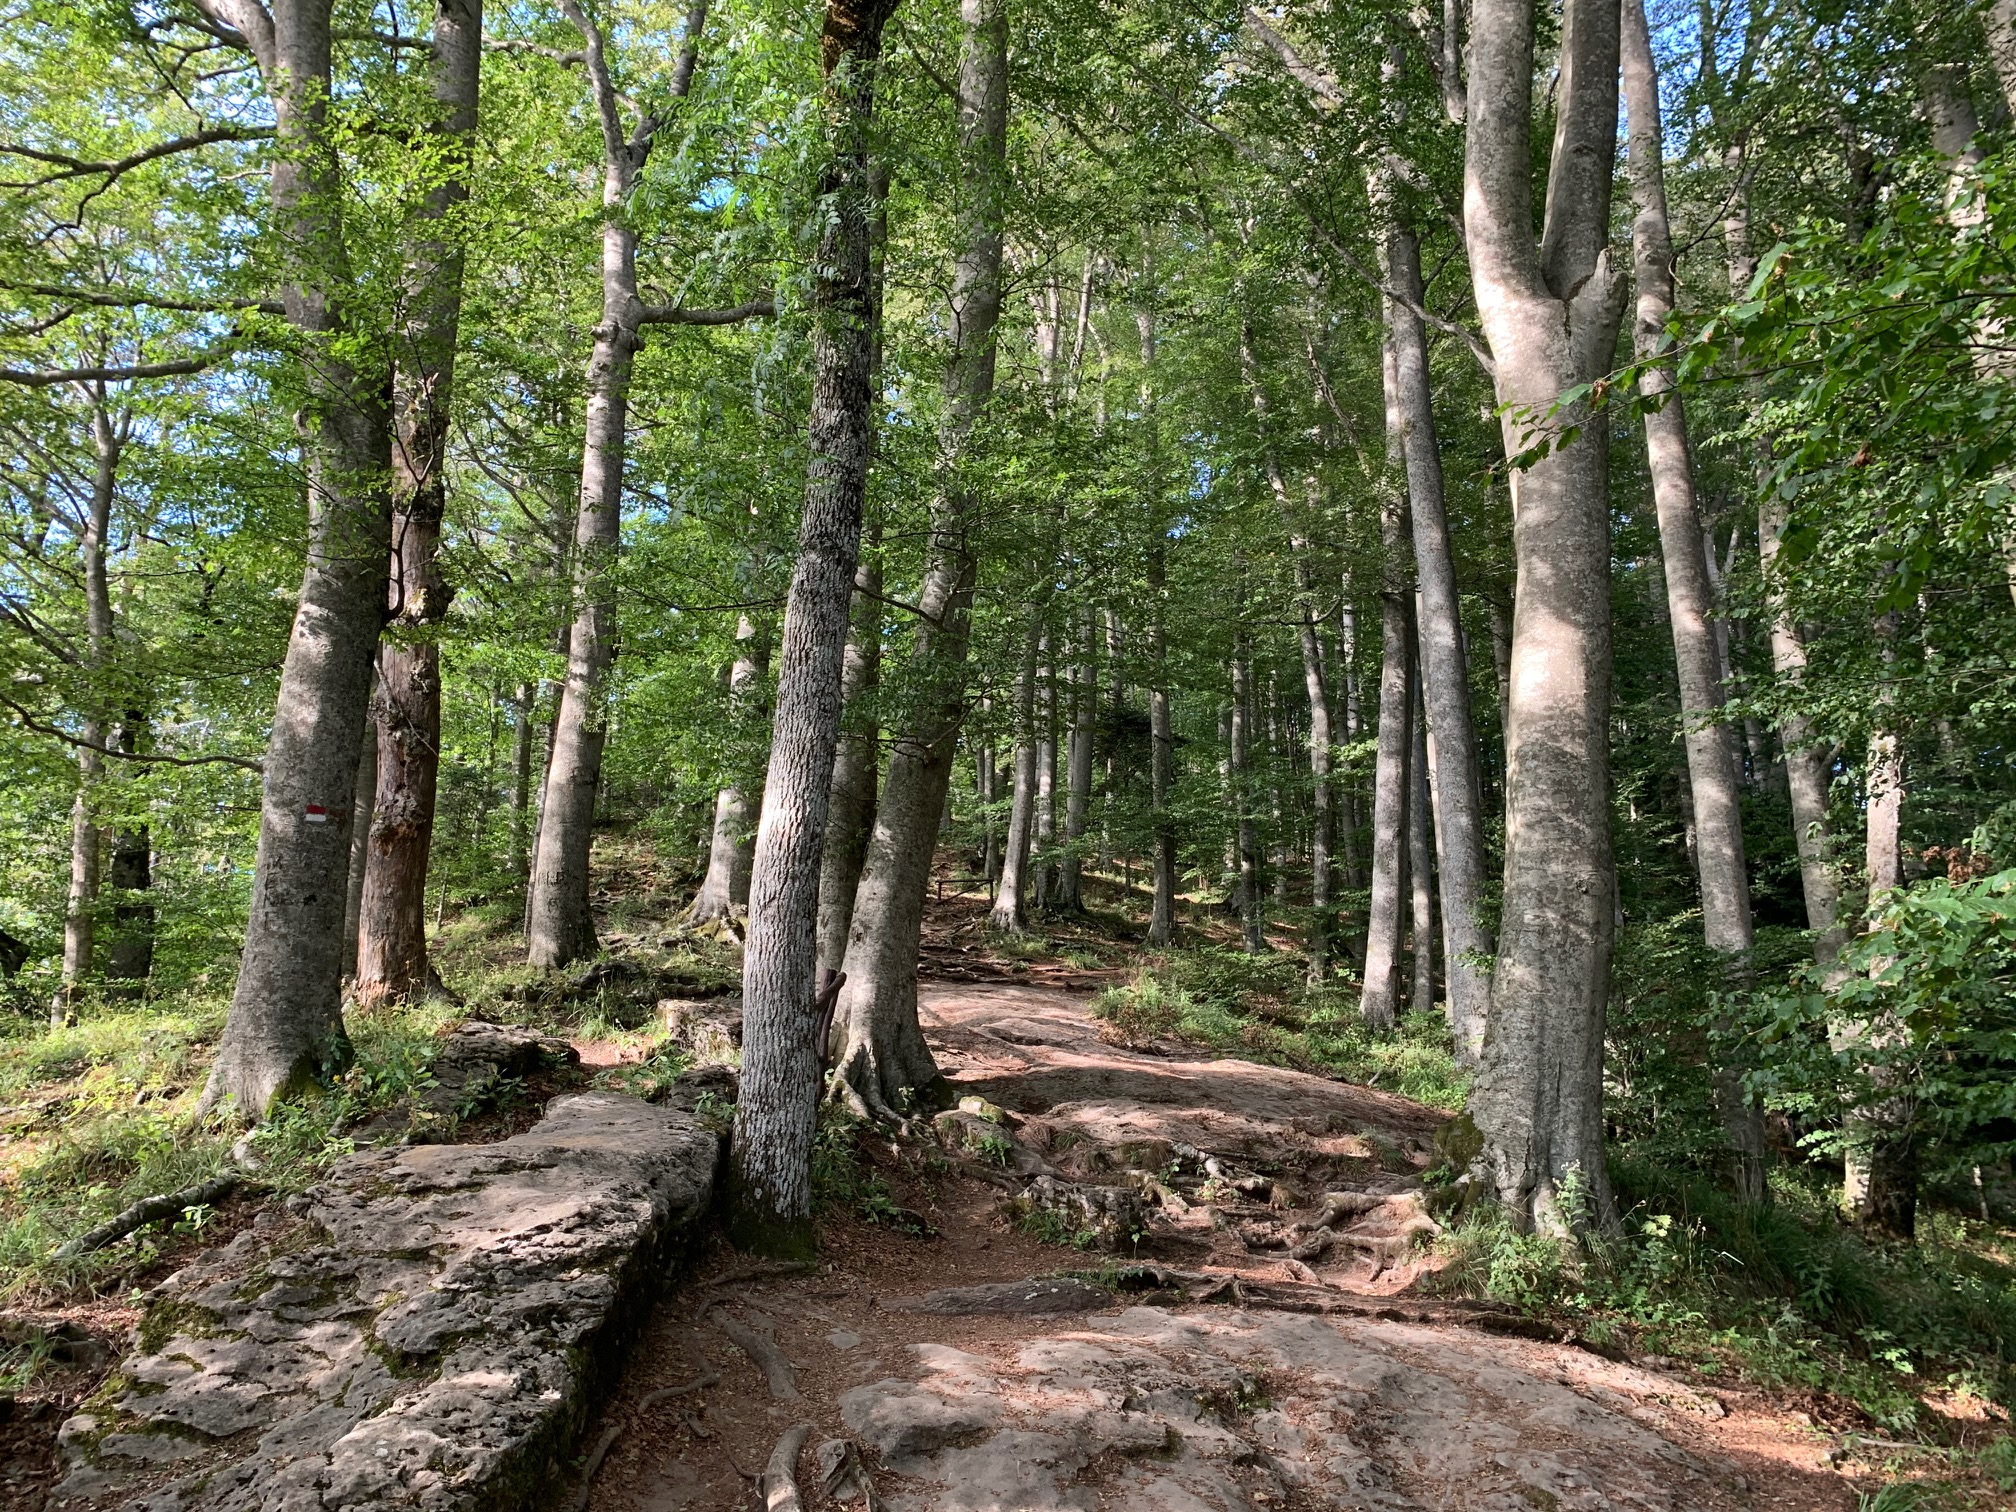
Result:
[{"x": 770, "y": 1162}]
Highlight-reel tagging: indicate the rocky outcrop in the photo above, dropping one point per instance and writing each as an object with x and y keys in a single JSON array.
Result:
[
  {"x": 426, "y": 1330},
  {"x": 1148, "y": 1411}
]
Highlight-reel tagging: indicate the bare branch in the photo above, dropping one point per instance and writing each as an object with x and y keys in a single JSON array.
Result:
[
  {"x": 517, "y": 45},
  {"x": 30, "y": 379},
  {"x": 146, "y": 301},
  {"x": 29, "y": 721},
  {"x": 74, "y": 167},
  {"x": 615, "y": 150},
  {"x": 1318, "y": 81},
  {"x": 756, "y": 309}
]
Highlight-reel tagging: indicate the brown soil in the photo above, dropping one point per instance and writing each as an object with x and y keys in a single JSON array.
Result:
[{"x": 1086, "y": 1105}]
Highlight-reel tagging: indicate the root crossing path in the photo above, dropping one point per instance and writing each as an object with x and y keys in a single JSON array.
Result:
[{"x": 1230, "y": 1323}]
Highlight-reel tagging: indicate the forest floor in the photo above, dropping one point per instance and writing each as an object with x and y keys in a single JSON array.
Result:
[
  {"x": 1297, "y": 1385},
  {"x": 1255, "y": 1345}
]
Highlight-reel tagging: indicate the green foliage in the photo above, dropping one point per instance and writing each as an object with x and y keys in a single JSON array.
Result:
[
  {"x": 1787, "y": 1294},
  {"x": 1920, "y": 1023},
  {"x": 1261, "y": 1008}
]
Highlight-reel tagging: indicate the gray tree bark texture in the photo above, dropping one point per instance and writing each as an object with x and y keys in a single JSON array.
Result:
[
  {"x": 1245, "y": 838},
  {"x": 1420, "y": 846},
  {"x": 364, "y": 799},
  {"x": 1078, "y": 771},
  {"x": 1043, "y": 878},
  {"x": 1550, "y": 311},
  {"x": 1998, "y": 21},
  {"x": 392, "y": 963},
  {"x": 80, "y": 907},
  {"x": 770, "y": 1155},
  {"x": 1713, "y": 778},
  {"x": 559, "y": 926},
  {"x": 883, "y": 1056},
  {"x": 1444, "y": 668},
  {"x": 724, "y": 890},
  {"x": 1161, "y": 732},
  {"x": 1379, "y": 1002},
  {"x": 286, "y": 1023},
  {"x": 850, "y": 808},
  {"x": 1011, "y": 900}
]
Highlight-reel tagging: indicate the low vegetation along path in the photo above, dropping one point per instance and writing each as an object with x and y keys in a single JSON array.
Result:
[{"x": 1134, "y": 1277}]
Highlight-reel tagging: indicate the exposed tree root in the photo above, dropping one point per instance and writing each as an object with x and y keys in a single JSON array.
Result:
[
  {"x": 843, "y": 1476},
  {"x": 593, "y": 1463},
  {"x": 778, "y": 1372},
  {"x": 780, "y": 1478},
  {"x": 149, "y": 1210},
  {"x": 700, "y": 1382}
]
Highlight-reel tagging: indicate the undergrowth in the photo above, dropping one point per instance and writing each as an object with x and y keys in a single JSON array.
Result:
[
  {"x": 1261, "y": 1008},
  {"x": 1789, "y": 1296}
]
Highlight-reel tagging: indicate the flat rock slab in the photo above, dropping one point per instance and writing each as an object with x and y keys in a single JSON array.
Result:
[
  {"x": 427, "y": 1334},
  {"x": 1046, "y": 1294},
  {"x": 1149, "y": 1411}
]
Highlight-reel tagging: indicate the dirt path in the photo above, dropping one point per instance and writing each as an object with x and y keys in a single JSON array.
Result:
[{"x": 1249, "y": 1400}]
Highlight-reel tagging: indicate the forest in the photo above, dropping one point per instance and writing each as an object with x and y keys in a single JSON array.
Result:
[{"x": 1439, "y": 579}]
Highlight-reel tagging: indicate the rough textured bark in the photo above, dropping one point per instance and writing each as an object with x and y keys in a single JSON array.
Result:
[
  {"x": 286, "y": 1022},
  {"x": 1379, "y": 1002},
  {"x": 1444, "y": 668},
  {"x": 1011, "y": 902},
  {"x": 770, "y": 1157},
  {"x": 731, "y": 851},
  {"x": 883, "y": 1054},
  {"x": 851, "y": 806},
  {"x": 392, "y": 959},
  {"x": 1550, "y": 312},
  {"x": 1712, "y": 769}
]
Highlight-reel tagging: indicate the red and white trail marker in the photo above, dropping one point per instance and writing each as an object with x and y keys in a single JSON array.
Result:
[{"x": 316, "y": 814}]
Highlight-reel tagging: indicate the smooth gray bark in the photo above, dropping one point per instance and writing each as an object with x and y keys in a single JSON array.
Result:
[
  {"x": 1444, "y": 668},
  {"x": 724, "y": 890},
  {"x": 1550, "y": 311},
  {"x": 1078, "y": 771},
  {"x": 770, "y": 1156},
  {"x": 1011, "y": 901},
  {"x": 559, "y": 925},
  {"x": 1420, "y": 848},
  {"x": 80, "y": 907},
  {"x": 1712, "y": 767},
  {"x": 364, "y": 799},
  {"x": 1239, "y": 771},
  {"x": 286, "y": 1022},
  {"x": 883, "y": 1055},
  {"x": 851, "y": 807},
  {"x": 1379, "y": 1002},
  {"x": 1161, "y": 733}
]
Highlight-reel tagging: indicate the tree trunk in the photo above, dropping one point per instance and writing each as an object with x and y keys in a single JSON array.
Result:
[
  {"x": 1444, "y": 668},
  {"x": 724, "y": 891},
  {"x": 1348, "y": 811},
  {"x": 883, "y": 1052},
  {"x": 1246, "y": 842},
  {"x": 1712, "y": 775},
  {"x": 1046, "y": 776},
  {"x": 286, "y": 1022},
  {"x": 1078, "y": 772},
  {"x": 1379, "y": 1003},
  {"x": 129, "y": 958},
  {"x": 1161, "y": 733},
  {"x": 80, "y": 909},
  {"x": 392, "y": 962},
  {"x": 1998, "y": 20},
  {"x": 770, "y": 1157},
  {"x": 1420, "y": 847},
  {"x": 523, "y": 703},
  {"x": 1011, "y": 902},
  {"x": 559, "y": 925},
  {"x": 1550, "y": 312},
  {"x": 1323, "y": 822},
  {"x": 851, "y": 806},
  {"x": 364, "y": 798}
]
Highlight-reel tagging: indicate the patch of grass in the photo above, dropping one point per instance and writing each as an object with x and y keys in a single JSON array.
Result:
[
  {"x": 842, "y": 1181},
  {"x": 1259, "y": 1008},
  {"x": 1789, "y": 1296}
]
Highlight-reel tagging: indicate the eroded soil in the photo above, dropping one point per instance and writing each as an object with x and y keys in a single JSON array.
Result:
[{"x": 1240, "y": 1377}]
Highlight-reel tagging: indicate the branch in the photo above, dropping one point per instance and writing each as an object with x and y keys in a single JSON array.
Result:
[
  {"x": 29, "y": 721},
  {"x": 150, "y": 1210},
  {"x": 515, "y": 45},
  {"x": 244, "y": 24},
  {"x": 29, "y": 379},
  {"x": 147, "y": 301},
  {"x": 74, "y": 167},
  {"x": 1319, "y": 82},
  {"x": 756, "y": 309},
  {"x": 615, "y": 150}
]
